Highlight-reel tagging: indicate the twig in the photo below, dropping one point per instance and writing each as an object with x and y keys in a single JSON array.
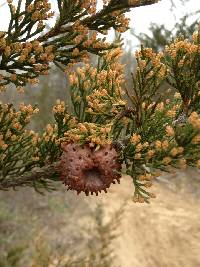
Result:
[{"x": 35, "y": 175}]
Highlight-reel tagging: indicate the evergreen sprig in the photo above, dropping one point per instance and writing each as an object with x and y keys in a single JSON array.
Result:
[
  {"x": 152, "y": 134},
  {"x": 27, "y": 48}
]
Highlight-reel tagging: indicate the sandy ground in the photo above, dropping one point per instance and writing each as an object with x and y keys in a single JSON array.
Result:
[{"x": 165, "y": 233}]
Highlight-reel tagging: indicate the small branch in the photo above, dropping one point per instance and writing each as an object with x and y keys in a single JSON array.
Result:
[
  {"x": 57, "y": 30},
  {"x": 3, "y": 4},
  {"x": 36, "y": 175}
]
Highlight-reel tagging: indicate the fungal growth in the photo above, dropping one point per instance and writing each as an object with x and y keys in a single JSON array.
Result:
[{"x": 85, "y": 170}]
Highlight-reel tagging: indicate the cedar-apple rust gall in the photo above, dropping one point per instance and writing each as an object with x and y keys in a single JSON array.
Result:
[{"x": 85, "y": 169}]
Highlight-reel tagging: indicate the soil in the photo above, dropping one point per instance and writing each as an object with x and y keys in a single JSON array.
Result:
[{"x": 165, "y": 233}]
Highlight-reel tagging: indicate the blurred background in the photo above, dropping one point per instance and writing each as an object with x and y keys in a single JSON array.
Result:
[{"x": 61, "y": 229}]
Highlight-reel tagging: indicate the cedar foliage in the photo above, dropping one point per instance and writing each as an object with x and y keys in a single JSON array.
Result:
[{"x": 152, "y": 134}]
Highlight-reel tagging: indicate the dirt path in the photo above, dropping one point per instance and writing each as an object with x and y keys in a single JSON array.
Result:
[{"x": 165, "y": 233}]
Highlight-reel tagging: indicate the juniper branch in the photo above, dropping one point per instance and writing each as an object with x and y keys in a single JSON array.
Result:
[
  {"x": 92, "y": 21},
  {"x": 36, "y": 176}
]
